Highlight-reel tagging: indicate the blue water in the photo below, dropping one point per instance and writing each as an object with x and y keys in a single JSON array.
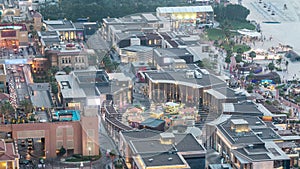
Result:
[{"x": 75, "y": 115}]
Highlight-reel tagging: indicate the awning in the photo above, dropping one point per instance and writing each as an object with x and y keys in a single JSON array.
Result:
[{"x": 248, "y": 32}]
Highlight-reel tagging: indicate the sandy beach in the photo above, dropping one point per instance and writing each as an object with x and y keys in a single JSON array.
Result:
[{"x": 283, "y": 27}]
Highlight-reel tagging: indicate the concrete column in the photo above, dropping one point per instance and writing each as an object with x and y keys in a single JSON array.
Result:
[
  {"x": 158, "y": 91},
  {"x": 150, "y": 90},
  {"x": 165, "y": 89}
]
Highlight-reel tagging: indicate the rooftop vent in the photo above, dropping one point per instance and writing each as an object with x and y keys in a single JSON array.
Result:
[
  {"x": 170, "y": 158},
  {"x": 189, "y": 74},
  {"x": 150, "y": 159}
]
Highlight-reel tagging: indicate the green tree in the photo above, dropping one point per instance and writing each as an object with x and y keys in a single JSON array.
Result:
[
  {"x": 227, "y": 60},
  {"x": 240, "y": 51},
  {"x": 26, "y": 105},
  {"x": 54, "y": 87},
  {"x": 250, "y": 88},
  {"x": 95, "y": 10},
  {"x": 278, "y": 61},
  {"x": 238, "y": 58},
  {"x": 231, "y": 12},
  {"x": 271, "y": 66},
  {"x": 53, "y": 70},
  {"x": 62, "y": 151},
  {"x": 226, "y": 27},
  {"x": 67, "y": 69},
  {"x": 31, "y": 28},
  {"x": 6, "y": 109},
  {"x": 252, "y": 55}
]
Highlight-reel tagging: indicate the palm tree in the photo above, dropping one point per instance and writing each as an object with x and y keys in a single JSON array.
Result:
[
  {"x": 252, "y": 55},
  {"x": 227, "y": 60},
  {"x": 271, "y": 66},
  {"x": 225, "y": 27}
]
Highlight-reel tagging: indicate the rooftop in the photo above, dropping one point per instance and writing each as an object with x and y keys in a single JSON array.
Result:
[
  {"x": 183, "y": 142},
  {"x": 187, "y": 142},
  {"x": 151, "y": 122},
  {"x": 69, "y": 87},
  {"x": 141, "y": 134},
  {"x": 246, "y": 108},
  {"x": 234, "y": 137},
  {"x": 59, "y": 24},
  {"x": 136, "y": 48},
  {"x": 162, "y": 159},
  {"x": 268, "y": 151},
  {"x": 179, "y": 77},
  {"x": 172, "y": 52},
  {"x": 148, "y": 146},
  {"x": 184, "y": 9}
]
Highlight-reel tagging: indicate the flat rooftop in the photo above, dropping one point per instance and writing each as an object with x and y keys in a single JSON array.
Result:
[
  {"x": 162, "y": 159},
  {"x": 179, "y": 77}
]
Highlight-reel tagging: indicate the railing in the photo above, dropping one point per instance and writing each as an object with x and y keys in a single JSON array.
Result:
[{"x": 111, "y": 116}]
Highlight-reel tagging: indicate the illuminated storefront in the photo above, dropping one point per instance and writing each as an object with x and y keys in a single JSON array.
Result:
[
  {"x": 12, "y": 35},
  {"x": 187, "y": 15}
]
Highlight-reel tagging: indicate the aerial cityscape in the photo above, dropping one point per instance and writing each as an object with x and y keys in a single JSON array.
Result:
[{"x": 136, "y": 84}]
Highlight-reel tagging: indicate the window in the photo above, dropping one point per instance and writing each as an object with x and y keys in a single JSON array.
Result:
[
  {"x": 62, "y": 60},
  {"x": 59, "y": 132},
  {"x": 59, "y": 143},
  {"x": 70, "y": 144},
  {"x": 70, "y": 131}
]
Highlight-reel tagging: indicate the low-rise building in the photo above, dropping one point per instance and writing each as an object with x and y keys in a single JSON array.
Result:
[
  {"x": 13, "y": 35},
  {"x": 69, "y": 31},
  {"x": 67, "y": 55},
  {"x": 186, "y": 85},
  {"x": 245, "y": 142},
  {"x": 164, "y": 58},
  {"x": 146, "y": 149},
  {"x": 197, "y": 15},
  {"x": 142, "y": 54},
  {"x": 9, "y": 157},
  {"x": 81, "y": 86}
]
